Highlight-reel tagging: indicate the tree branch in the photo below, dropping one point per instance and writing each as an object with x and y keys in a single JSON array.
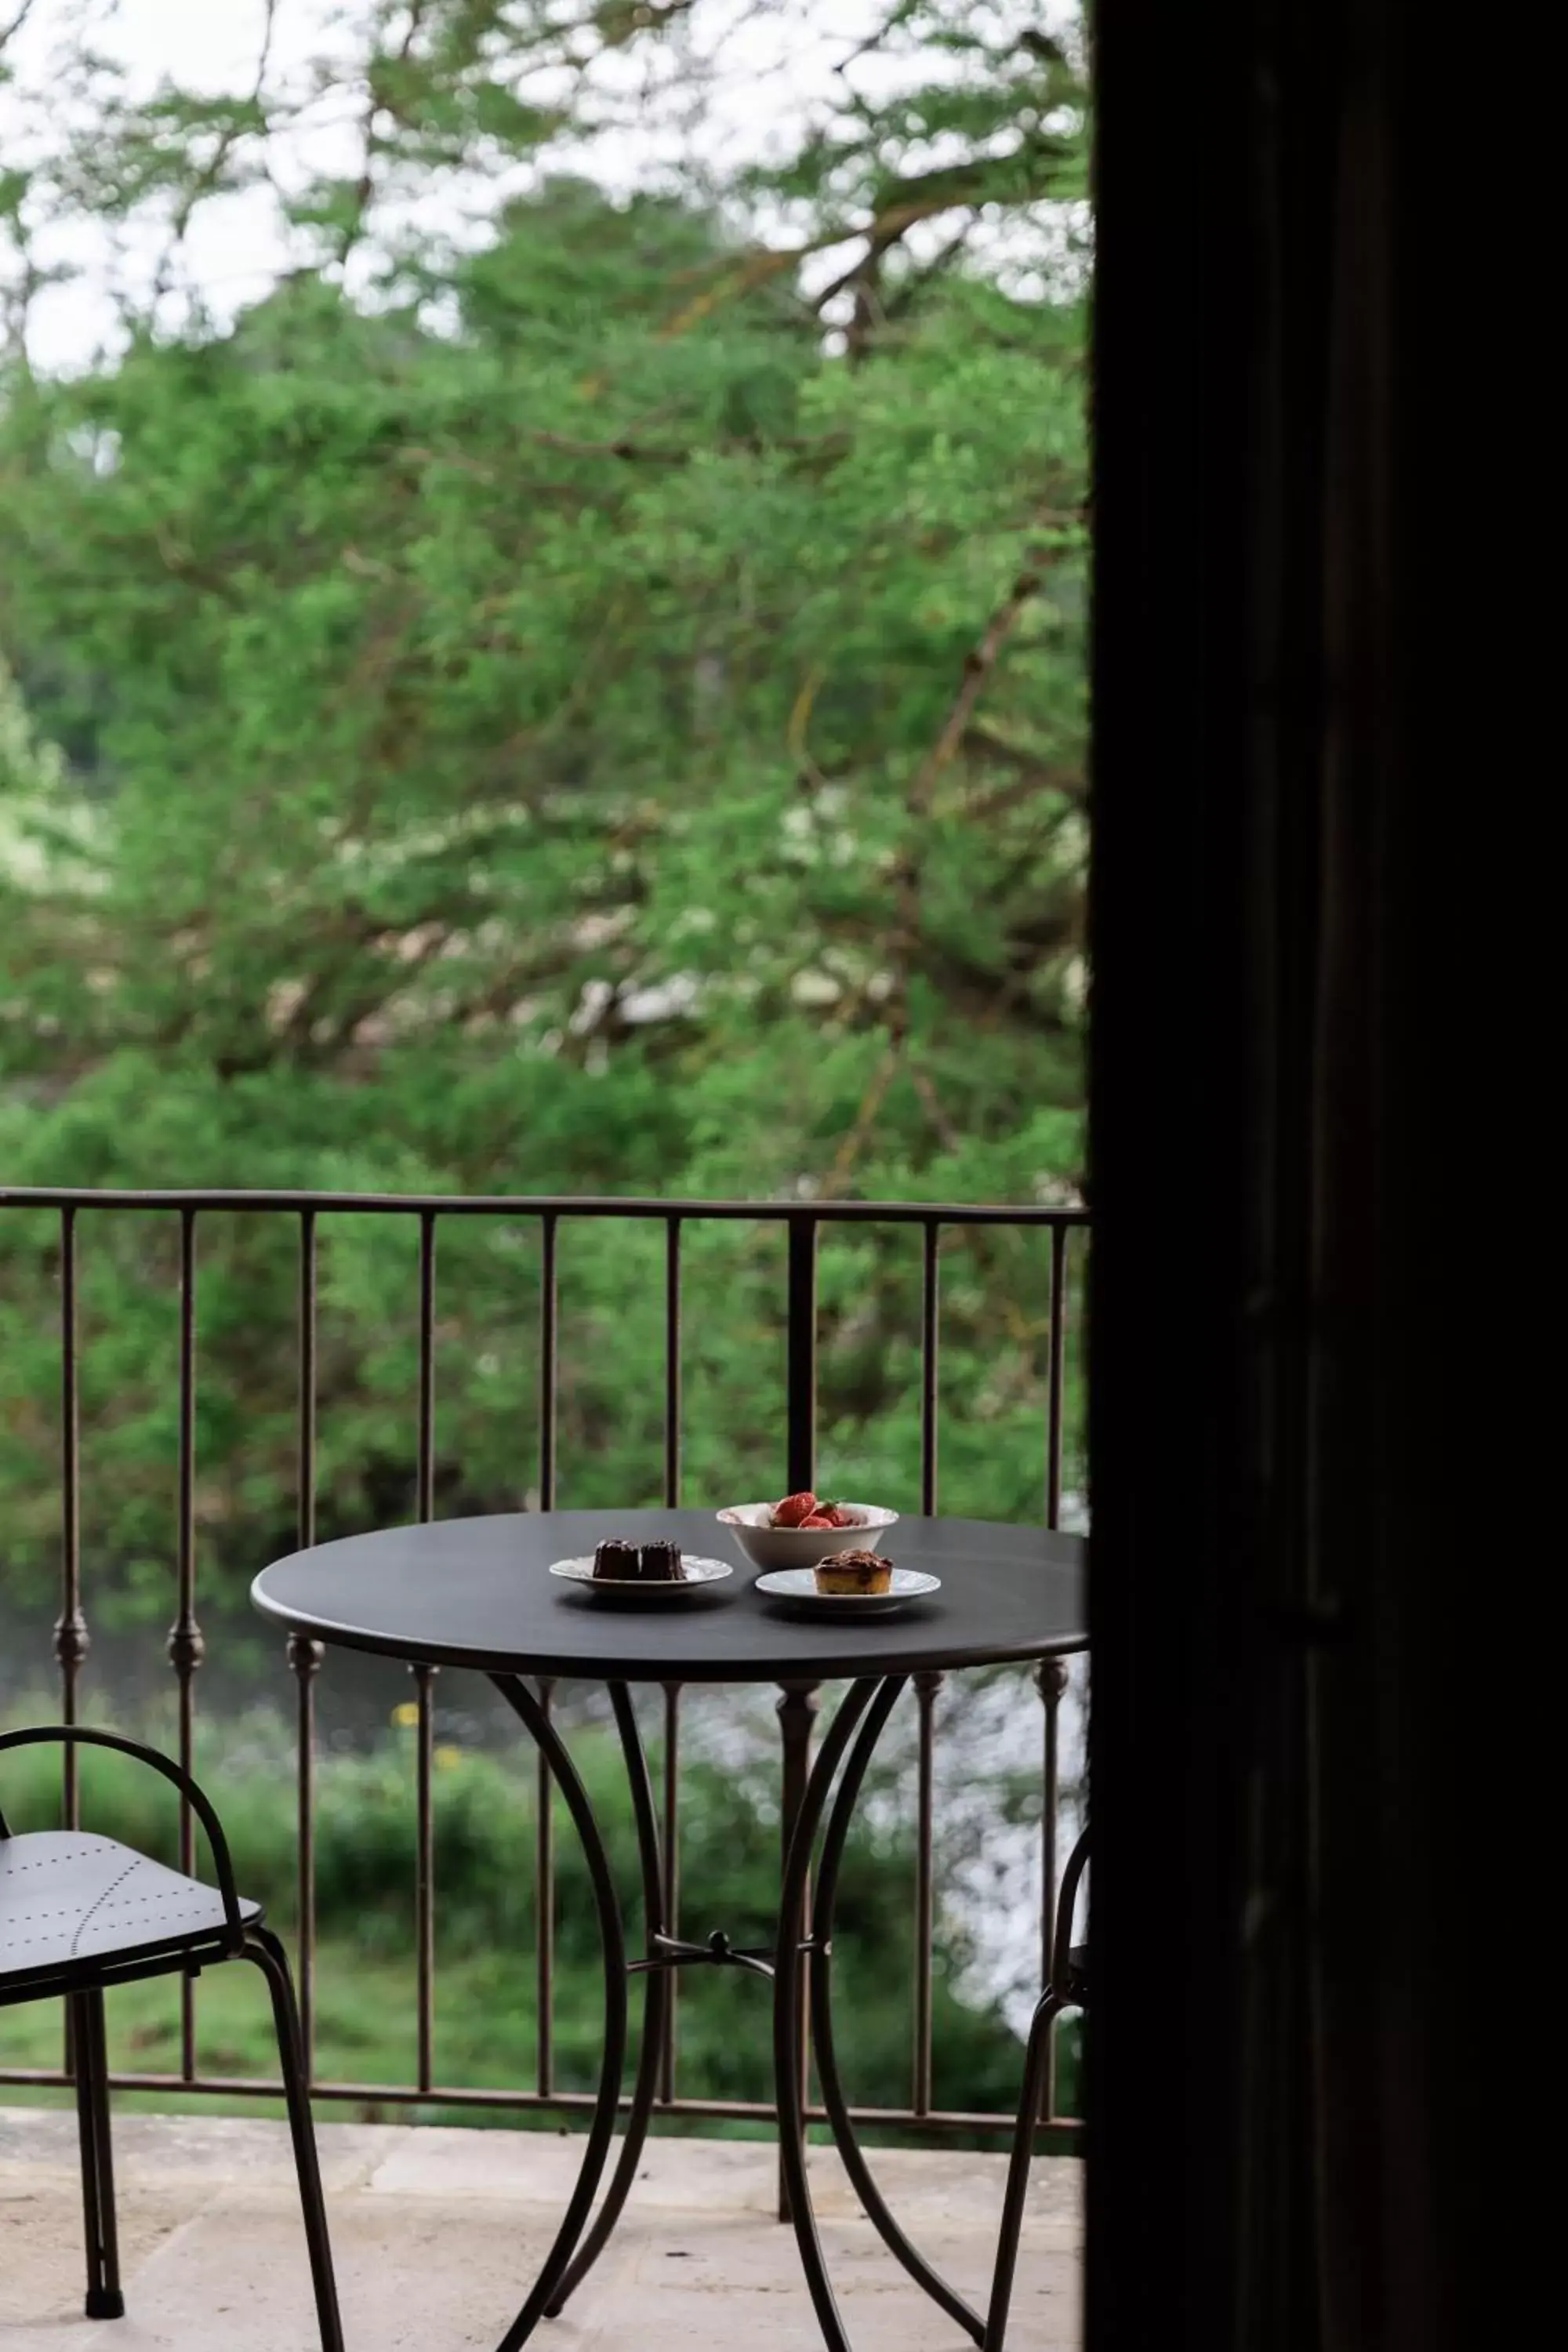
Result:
[
  {"x": 1045, "y": 775},
  {"x": 8, "y": 32},
  {"x": 978, "y": 665},
  {"x": 759, "y": 270},
  {"x": 207, "y": 179},
  {"x": 627, "y": 451},
  {"x": 375, "y": 107},
  {"x": 865, "y": 1120}
]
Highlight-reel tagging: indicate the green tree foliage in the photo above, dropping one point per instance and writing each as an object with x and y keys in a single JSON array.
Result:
[{"x": 587, "y": 702}]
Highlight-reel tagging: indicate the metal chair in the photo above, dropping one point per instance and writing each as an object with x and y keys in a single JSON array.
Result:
[
  {"x": 79, "y": 1913},
  {"x": 1067, "y": 1989}
]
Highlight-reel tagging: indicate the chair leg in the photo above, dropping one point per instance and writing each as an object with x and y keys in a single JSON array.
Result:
[
  {"x": 90, "y": 2051},
  {"x": 1034, "y": 2066},
  {"x": 263, "y": 1948}
]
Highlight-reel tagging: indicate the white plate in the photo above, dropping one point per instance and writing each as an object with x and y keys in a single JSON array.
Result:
[
  {"x": 698, "y": 1572},
  {"x": 798, "y": 1587}
]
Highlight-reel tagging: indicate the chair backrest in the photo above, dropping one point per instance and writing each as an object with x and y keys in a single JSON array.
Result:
[
  {"x": 72, "y": 1735},
  {"x": 1066, "y": 1907}
]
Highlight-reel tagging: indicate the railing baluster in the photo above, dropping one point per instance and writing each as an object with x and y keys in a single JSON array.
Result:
[
  {"x": 672, "y": 1824},
  {"x": 798, "y": 1702},
  {"x": 797, "y": 1708},
  {"x": 424, "y": 1871},
  {"x": 929, "y": 1330},
  {"x": 305, "y": 1494},
  {"x": 304, "y": 1658},
  {"x": 547, "y": 1304},
  {"x": 927, "y": 1685},
  {"x": 185, "y": 1642},
  {"x": 544, "y": 1872},
  {"x": 672, "y": 1369},
  {"x": 424, "y": 1676},
  {"x": 1050, "y": 1681},
  {"x": 671, "y": 1859},
  {"x": 1054, "y": 1402},
  {"x": 801, "y": 1365},
  {"x": 70, "y": 1629},
  {"x": 304, "y": 1655},
  {"x": 544, "y": 2071},
  {"x": 425, "y": 1458}
]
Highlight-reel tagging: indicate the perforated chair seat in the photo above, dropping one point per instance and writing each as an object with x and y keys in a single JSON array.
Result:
[{"x": 67, "y": 1898}]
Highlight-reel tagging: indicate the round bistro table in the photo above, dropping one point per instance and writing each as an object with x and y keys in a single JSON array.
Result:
[{"x": 475, "y": 1593}]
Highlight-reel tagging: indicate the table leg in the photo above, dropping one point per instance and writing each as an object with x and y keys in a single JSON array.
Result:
[
  {"x": 655, "y": 2008},
  {"x": 821, "y": 2011},
  {"x": 522, "y": 1701},
  {"x": 789, "y": 1962}
]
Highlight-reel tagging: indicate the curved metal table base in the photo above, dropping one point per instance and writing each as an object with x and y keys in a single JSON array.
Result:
[
  {"x": 557, "y": 2263},
  {"x": 848, "y": 1747},
  {"x": 655, "y": 2010},
  {"x": 866, "y": 1707},
  {"x": 821, "y": 2013}
]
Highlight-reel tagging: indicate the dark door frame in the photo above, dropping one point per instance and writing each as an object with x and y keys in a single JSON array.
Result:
[{"x": 1276, "y": 2162}]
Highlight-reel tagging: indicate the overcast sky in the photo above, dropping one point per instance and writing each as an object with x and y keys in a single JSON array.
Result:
[{"x": 758, "y": 69}]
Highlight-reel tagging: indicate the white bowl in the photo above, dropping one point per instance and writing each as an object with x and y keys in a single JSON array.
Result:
[{"x": 770, "y": 1547}]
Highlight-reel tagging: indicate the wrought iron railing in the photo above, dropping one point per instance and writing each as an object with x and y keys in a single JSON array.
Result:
[{"x": 802, "y": 1222}]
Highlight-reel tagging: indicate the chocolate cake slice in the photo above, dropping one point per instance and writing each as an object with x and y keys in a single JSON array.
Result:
[{"x": 616, "y": 1560}]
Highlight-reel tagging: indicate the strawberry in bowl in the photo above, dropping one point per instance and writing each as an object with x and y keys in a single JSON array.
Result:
[
  {"x": 802, "y": 1528},
  {"x": 794, "y": 1511}
]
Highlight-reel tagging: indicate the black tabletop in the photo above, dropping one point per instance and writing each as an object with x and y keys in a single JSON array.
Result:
[{"x": 475, "y": 1592}]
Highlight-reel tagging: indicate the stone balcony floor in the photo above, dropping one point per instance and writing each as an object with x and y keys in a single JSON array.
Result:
[{"x": 437, "y": 2234}]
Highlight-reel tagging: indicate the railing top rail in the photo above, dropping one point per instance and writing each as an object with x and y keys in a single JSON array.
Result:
[{"x": 565, "y": 1204}]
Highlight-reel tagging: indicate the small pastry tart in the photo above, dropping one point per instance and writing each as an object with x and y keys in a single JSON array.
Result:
[
  {"x": 853, "y": 1572},
  {"x": 615, "y": 1560},
  {"x": 660, "y": 1563}
]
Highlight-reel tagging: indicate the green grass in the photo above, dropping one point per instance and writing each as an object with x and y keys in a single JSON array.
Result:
[{"x": 364, "y": 2017}]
